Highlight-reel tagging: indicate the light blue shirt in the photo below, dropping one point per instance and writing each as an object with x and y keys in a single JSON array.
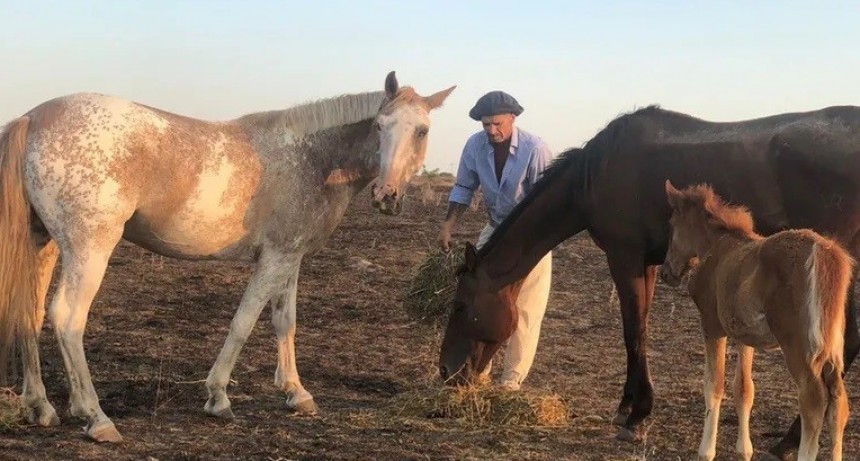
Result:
[{"x": 529, "y": 156}]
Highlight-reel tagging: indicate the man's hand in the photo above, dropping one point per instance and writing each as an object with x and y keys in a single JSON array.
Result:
[
  {"x": 455, "y": 210},
  {"x": 444, "y": 238}
]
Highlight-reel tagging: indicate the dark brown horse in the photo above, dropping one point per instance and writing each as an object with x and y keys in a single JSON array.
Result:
[{"x": 797, "y": 170}]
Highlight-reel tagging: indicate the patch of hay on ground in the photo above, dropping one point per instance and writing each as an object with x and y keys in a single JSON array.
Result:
[
  {"x": 430, "y": 294},
  {"x": 10, "y": 409},
  {"x": 484, "y": 404}
]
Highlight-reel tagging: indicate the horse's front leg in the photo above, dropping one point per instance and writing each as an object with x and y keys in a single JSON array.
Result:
[
  {"x": 269, "y": 278},
  {"x": 635, "y": 285},
  {"x": 715, "y": 375},
  {"x": 287, "y": 374},
  {"x": 744, "y": 395}
]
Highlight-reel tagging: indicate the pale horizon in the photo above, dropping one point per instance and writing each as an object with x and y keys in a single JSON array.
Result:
[{"x": 574, "y": 66}]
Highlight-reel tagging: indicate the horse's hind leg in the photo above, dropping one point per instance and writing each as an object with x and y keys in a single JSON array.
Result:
[
  {"x": 837, "y": 410},
  {"x": 744, "y": 394},
  {"x": 812, "y": 396},
  {"x": 715, "y": 375},
  {"x": 287, "y": 374},
  {"x": 82, "y": 273},
  {"x": 37, "y": 408},
  {"x": 269, "y": 279},
  {"x": 791, "y": 440}
]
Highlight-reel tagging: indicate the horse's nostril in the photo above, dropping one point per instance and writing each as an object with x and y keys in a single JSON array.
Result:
[{"x": 443, "y": 371}]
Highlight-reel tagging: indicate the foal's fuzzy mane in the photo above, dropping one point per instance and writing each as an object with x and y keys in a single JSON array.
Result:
[
  {"x": 336, "y": 111},
  {"x": 728, "y": 217}
]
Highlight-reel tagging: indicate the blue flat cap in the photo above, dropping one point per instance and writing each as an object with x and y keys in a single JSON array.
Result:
[{"x": 494, "y": 103}]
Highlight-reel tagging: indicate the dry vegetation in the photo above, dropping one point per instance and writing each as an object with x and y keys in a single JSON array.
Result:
[{"x": 157, "y": 325}]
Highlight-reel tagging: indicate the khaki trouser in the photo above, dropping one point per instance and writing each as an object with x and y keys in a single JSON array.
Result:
[{"x": 531, "y": 303}]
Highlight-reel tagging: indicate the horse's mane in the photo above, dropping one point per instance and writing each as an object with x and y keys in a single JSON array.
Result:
[
  {"x": 604, "y": 142},
  {"x": 330, "y": 112},
  {"x": 736, "y": 218},
  {"x": 571, "y": 158}
]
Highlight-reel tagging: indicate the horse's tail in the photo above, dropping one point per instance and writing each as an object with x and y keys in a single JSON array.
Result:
[
  {"x": 830, "y": 273},
  {"x": 17, "y": 250}
]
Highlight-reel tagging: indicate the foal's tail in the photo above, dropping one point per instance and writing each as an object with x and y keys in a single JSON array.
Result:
[
  {"x": 830, "y": 273},
  {"x": 17, "y": 251}
]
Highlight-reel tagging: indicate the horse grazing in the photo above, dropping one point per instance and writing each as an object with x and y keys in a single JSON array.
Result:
[
  {"x": 784, "y": 291},
  {"x": 81, "y": 172},
  {"x": 796, "y": 170}
]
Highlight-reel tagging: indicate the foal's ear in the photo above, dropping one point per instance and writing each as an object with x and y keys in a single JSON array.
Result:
[
  {"x": 672, "y": 194},
  {"x": 436, "y": 99},
  {"x": 391, "y": 85},
  {"x": 471, "y": 256}
]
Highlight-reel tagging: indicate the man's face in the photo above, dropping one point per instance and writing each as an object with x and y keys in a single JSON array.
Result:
[{"x": 499, "y": 127}]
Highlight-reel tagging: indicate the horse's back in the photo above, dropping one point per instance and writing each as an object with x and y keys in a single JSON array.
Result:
[{"x": 177, "y": 185}]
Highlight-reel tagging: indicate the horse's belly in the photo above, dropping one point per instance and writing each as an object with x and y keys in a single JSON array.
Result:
[{"x": 749, "y": 326}]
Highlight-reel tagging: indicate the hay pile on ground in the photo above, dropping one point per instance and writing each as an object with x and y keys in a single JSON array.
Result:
[
  {"x": 10, "y": 409},
  {"x": 430, "y": 294},
  {"x": 483, "y": 404}
]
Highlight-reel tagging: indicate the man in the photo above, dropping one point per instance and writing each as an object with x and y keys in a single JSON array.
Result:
[{"x": 505, "y": 162}]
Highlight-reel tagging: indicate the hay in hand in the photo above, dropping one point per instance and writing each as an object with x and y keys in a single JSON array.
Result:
[
  {"x": 484, "y": 405},
  {"x": 431, "y": 292},
  {"x": 10, "y": 409}
]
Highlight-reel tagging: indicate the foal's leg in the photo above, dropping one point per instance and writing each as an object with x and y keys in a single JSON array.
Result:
[
  {"x": 744, "y": 394},
  {"x": 81, "y": 275},
  {"x": 269, "y": 278},
  {"x": 37, "y": 408},
  {"x": 838, "y": 409},
  {"x": 284, "y": 320},
  {"x": 791, "y": 440},
  {"x": 813, "y": 397},
  {"x": 715, "y": 380}
]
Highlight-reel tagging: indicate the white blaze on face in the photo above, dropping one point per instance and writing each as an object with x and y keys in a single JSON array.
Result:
[{"x": 397, "y": 145}]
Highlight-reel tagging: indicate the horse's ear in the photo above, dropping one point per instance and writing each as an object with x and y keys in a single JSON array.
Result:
[
  {"x": 471, "y": 258},
  {"x": 391, "y": 85},
  {"x": 672, "y": 194},
  {"x": 437, "y": 99}
]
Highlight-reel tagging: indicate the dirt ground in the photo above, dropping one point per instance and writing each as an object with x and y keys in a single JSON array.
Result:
[{"x": 157, "y": 325}]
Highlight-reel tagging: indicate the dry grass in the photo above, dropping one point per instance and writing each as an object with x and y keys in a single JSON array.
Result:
[
  {"x": 10, "y": 409},
  {"x": 430, "y": 294},
  {"x": 483, "y": 404}
]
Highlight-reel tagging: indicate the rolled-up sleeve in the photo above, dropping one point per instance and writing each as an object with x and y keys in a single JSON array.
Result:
[
  {"x": 541, "y": 158},
  {"x": 467, "y": 178}
]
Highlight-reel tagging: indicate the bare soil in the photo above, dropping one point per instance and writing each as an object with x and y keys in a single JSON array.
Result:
[{"x": 158, "y": 324}]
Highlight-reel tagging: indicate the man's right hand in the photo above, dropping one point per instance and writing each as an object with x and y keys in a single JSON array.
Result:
[
  {"x": 455, "y": 210},
  {"x": 444, "y": 238}
]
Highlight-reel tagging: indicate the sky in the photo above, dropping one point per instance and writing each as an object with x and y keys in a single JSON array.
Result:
[{"x": 573, "y": 65}]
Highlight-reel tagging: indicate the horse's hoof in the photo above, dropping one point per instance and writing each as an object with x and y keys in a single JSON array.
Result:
[
  {"x": 218, "y": 409},
  {"x": 306, "y": 408},
  {"x": 44, "y": 417},
  {"x": 224, "y": 413},
  {"x": 104, "y": 432},
  {"x": 631, "y": 436}
]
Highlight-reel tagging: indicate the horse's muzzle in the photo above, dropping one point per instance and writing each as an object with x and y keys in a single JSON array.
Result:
[
  {"x": 668, "y": 277},
  {"x": 385, "y": 199}
]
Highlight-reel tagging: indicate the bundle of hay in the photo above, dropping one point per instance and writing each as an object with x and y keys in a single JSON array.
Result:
[
  {"x": 484, "y": 405},
  {"x": 430, "y": 294},
  {"x": 10, "y": 409}
]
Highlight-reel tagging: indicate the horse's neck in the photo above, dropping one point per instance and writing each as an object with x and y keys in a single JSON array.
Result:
[
  {"x": 533, "y": 229},
  {"x": 720, "y": 242}
]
